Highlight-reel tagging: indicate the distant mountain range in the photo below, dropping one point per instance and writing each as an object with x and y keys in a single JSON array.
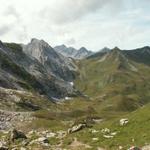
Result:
[
  {"x": 55, "y": 94},
  {"x": 52, "y": 72},
  {"x": 72, "y": 52}
]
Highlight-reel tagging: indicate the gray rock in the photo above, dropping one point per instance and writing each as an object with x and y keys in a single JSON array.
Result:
[
  {"x": 54, "y": 62},
  {"x": 76, "y": 128},
  {"x": 42, "y": 140},
  {"x": 123, "y": 121},
  {"x": 60, "y": 69}
]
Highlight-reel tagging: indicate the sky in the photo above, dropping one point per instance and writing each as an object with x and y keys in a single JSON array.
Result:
[{"x": 93, "y": 24}]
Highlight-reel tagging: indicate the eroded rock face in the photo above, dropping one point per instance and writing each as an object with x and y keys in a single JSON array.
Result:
[{"x": 60, "y": 69}]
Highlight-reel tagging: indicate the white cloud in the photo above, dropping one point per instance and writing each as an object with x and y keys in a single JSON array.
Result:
[
  {"x": 71, "y": 10},
  {"x": 90, "y": 23}
]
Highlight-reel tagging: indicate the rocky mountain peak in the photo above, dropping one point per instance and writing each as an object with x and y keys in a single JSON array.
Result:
[
  {"x": 116, "y": 49},
  {"x": 1, "y": 44},
  {"x": 72, "y": 52},
  {"x": 116, "y": 52},
  {"x": 104, "y": 50},
  {"x": 146, "y": 49},
  {"x": 64, "y": 46},
  {"x": 83, "y": 49},
  {"x": 39, "y": 49},
  {"x": 39, "y": 42},
  {"x": 55, "y": 63}
]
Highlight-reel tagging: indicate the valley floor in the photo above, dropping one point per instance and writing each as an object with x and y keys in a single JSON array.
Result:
[{"x": 72, "y": 129}]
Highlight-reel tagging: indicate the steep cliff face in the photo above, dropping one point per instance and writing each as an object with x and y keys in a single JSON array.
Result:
[
  {"x": 19, "y": 70},
  {"x": 54, "y": 63}
]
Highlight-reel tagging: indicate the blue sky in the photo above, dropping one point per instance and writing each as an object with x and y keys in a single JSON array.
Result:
[{"x": 90, "y": 23}]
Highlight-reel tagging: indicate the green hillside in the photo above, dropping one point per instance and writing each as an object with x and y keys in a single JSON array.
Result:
[{"x": 115, "y": 80}]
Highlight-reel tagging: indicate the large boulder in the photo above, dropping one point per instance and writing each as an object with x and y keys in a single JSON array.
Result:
[
  {"x": 123, "y": 121},
  {"x": 76, "y": 128}
]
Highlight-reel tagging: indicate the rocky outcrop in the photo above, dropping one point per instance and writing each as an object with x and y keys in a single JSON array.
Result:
[
  {"x": 76, "y": 128},
  {"x": 123, "y": 121}
]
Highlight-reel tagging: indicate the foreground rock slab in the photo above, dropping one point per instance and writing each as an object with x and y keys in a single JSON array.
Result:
[{"x": 76, "y": 128}]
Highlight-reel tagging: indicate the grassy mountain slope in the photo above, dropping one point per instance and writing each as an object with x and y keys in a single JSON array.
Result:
[
  {"x": 21, "y": 71},
  {"x": 136, "y": 132},
  {"x": 116, "y": 80}
]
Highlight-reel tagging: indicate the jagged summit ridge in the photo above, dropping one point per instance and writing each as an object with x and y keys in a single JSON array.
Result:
[
  {"x": 54, "y": 62},
  {"x": 72, "y": 52},
  {"x": 39, "y": 49}
]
